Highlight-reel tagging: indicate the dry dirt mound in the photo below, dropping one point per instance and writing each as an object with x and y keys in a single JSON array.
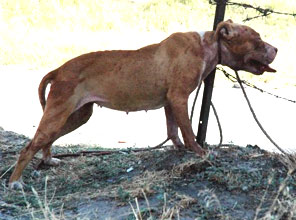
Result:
[{"x": 231, "y": 183}]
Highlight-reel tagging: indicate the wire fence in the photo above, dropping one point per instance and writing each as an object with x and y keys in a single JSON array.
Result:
[
  {"x": 262, "y": 12},
  {"x": 234, "y": 79}
]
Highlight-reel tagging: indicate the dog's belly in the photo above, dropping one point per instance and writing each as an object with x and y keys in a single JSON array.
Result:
[
  {"x": 131, "y": 107},
  {"x": 132, "y": 103},
  {"x": 136, "y": 99}
]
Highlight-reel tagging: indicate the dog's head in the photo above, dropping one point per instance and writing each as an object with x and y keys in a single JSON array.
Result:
[{"x": 243, "y": 49}]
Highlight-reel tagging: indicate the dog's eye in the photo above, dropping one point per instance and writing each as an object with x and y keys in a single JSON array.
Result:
[{"x": 258, "y": 44}]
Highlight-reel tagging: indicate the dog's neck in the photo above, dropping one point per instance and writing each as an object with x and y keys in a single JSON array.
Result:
[{"x": 212, "y": 51}]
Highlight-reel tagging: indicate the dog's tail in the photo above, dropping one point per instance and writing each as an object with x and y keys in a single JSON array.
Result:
[{"x": 42, "y": 86}]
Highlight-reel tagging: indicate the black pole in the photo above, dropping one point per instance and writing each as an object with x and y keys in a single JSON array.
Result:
[{"x": 209, "y": 83}]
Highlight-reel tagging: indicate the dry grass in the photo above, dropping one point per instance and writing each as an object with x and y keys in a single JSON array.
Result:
[
  {"x": 284, "y": 204},
  {"x": 164, "y": 184}
]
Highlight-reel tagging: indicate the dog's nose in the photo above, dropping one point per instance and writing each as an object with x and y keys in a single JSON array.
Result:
[{"x": 276, "y": 50}]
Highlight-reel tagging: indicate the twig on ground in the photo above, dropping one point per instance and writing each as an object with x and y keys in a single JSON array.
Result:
[
  {"x": 12, "y": 166},
  {"x": 8, "y": 152},
  {"x": 101, "y": 153}
]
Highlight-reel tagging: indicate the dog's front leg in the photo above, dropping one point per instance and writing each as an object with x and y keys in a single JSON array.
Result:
[{"x": 178, "y": 105}]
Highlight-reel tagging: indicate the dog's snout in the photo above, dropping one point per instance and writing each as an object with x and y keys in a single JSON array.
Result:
[{"x": 276, "y": 50}]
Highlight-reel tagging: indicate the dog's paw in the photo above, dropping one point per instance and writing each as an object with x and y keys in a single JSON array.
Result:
[
  {"x": 200, "y": 152},
  {"x": 178, "y": 144},
  {"x": 180, "y": 147},
  {"x": 16, "y": 185},
  {"x": 52, "y": 161}
]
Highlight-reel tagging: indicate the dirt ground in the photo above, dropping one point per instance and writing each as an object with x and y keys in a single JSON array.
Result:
[{"x": 230, "y": 183}]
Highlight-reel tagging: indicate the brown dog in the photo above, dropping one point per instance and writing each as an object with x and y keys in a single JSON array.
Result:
[{"x": 159, "y": 75}]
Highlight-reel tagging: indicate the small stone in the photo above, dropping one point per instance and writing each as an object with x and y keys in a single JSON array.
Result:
[
  {"x": 16, "y": 185},
  {"x": 236, "y": 86},
  {"x": 36, "y": 174},
  {"x": 130, "y": 169}
]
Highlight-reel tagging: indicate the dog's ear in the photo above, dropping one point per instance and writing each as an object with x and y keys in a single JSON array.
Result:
[{"x": 226, "y": 30}]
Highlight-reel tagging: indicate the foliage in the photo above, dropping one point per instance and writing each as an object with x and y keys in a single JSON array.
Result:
[{"x": 38, "y": 33}]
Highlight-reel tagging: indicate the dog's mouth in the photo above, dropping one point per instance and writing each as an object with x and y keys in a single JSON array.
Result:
[{"x": 261, "y": 67}]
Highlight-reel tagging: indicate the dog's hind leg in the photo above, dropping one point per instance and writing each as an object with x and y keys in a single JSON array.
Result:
[
  {"x": 172, "y": 127},
  {"x": 52, "y": 122},
  {"x": 76, "y": 119}
]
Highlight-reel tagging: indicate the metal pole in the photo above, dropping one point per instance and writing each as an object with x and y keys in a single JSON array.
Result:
[{"x": 209, "y": 82}]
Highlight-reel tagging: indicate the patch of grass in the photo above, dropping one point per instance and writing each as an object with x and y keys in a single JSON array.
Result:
[
  {"x": 123, "y": 195},
  {"x": 210, "y": 205},
  {"x": 164, "y": 184}
]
